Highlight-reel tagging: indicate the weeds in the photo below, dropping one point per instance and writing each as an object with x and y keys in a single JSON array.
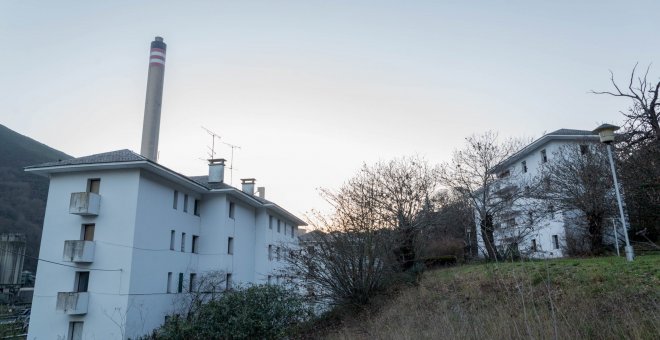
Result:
[{"x": 600, "y": 298}]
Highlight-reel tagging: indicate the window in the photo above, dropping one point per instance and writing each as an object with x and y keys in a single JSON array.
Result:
[
  {"x": 185, "y": 203},
  {"x": 555, "y": 242},
  {"x": 524, "y": 166},
  {"x": 228, "y": 281},
  {"x": 180, "y": 286},
  {"x": 230, "y": 246},
  {"x": 169, "y": 282},
  {"x": 293, "y": 231},
  {"x": 534, "y": 244},
  {"x": 551, "y": 211},
  {"x": 195, "y": 239},
  {"x": 232, "y": 208},
  {"x": 82, "y": 281},
  {"x": 270, "y": 279},
  {"x": 172, "y": 237},
  {"x": 270, "y": 222},
  {"x": 196, "y": 208},
  {"x": 75, "y": 330},
  {"x": 87, "y": 232},
  {"x": 183, "y": 242},
  {"x": 584, "y": 149},
  {"x": 278, "y": 225},
  {"x": 94, "y": 185},
  {"x": 270, "y": 252},
  {"x": 277, "y": 253},
  {"x": 175, "y": 203},
  {"x": 544, "y": 156},
  {"x": 192, "y": 282},
  {"x": 504, "y": 174}
]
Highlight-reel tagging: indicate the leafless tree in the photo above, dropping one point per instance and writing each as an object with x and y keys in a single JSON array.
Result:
[
  {"x": 643, "y": 117},
  {"x": 370, "y": 234},
  {"x": 639, "y": 152},
  {"x": 207, "y": 287},
  {"x": 579, "y": 184},
  {"x": 473, "y": 170}
]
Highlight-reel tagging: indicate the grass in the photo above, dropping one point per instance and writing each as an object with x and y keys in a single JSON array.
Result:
[{"x": 595, "y": 298}]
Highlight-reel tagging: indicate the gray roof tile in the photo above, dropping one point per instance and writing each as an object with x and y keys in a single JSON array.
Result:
[{"x": 124, "y": 155}]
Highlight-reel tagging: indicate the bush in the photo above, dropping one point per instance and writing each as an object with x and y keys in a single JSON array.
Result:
[{"x": 254, "y": 312}]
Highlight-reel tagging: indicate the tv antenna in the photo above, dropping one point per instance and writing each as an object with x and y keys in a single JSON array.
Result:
[
  {"x": 213, "y": 137},
  {"x": 231, "y": 161}
]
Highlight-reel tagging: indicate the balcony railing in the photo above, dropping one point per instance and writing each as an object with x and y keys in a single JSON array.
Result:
[
  {"x": 85, "y": 203},
  {"x": 72, "y": 303},
  {"x": 78, "y": 251}
]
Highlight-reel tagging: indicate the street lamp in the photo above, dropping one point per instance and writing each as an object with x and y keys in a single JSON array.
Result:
[{"x": 606, "y": 134}]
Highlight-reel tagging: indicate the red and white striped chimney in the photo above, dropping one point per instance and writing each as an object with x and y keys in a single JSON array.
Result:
[{"x": 153, "y": 102}]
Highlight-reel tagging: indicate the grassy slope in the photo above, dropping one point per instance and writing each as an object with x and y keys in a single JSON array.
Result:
[{"x": 598, "y": 298}]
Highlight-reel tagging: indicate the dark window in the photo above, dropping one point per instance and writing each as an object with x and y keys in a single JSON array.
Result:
[
  {"x": 196, "y": 208},
  {"x": 185, "y": 203},
  {"x": 524, "y": 166},
  {"x": 175, "y": 202},
  {"x": 87, "y": 232},
  {"x": 169, "y": 282},
  {"x": 270, "y": 252},
  {"x": 180, "y": 287},
  {"x": 232, "y": 208},
  {"x": 293, "y": 231},
  {"x": 183, "y": 242},
  {"x": 270, "y": 222},
  {"x": 278, "y": 225},
  {"x": 82, "y": 281},
  {"x": 94, "y": 185},
  {"x": 172, "y": 237},
  {"x": 228, "y": 281},
  {"x": 584, "y": 149},
  {"x": 193, "y": 281},
  {"x": 551, "y": 211},
  {"x": 75, "y": 330},
  {"x": 230, "y": 245},
  {"x": 544, "y": 156},
  {"x": 195, "y": 239},
  {"x": 533, "y": 244},
  {"x": 555, "y": 241}
]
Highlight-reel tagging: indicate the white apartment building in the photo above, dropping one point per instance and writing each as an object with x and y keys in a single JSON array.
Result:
[
  {"x": 546, "y": 239},
  {"x": 124, "y": 236}
]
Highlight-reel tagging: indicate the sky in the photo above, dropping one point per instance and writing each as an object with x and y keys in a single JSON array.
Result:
[{"x": 311, "y": 90}]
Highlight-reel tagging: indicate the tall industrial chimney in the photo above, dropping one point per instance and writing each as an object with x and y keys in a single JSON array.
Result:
[{"x": 152, "y": 105}]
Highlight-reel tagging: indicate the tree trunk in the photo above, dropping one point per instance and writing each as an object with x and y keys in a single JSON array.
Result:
[
  {"x": 595, "y": 221},
  {"x": 487, "y": 235}
]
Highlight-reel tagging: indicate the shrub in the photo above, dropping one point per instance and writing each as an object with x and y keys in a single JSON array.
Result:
[{"x": 254, "y": 312}]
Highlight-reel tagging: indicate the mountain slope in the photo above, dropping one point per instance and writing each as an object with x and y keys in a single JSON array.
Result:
[{"x": 23, "y": 195}]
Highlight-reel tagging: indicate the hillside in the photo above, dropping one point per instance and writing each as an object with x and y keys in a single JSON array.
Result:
[
  {"x": 22, "y": 195},
  {"x": 598, "y": 298}
]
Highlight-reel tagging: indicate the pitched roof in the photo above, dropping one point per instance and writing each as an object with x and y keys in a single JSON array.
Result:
[
  {"x": 124, "y": 155},
  {"x": 561, "y": 134},
  {"x": 571, "y": 132}
]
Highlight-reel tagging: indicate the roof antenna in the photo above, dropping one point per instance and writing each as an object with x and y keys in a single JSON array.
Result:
[
  {"x": 231, "y": 161},
  {"x": 212, "y": 147}
]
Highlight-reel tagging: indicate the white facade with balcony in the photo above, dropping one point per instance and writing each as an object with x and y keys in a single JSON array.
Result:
[
  {"x": 547, "y": 239},
  {"x": 115, "y": 249}
]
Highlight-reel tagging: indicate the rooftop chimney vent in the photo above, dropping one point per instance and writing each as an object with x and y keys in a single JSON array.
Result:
[
  {"x": 248, "y": 185},
  {"x": 216, "y": 170}
]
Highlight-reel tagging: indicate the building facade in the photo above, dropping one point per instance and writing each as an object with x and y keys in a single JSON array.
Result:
[
  {"x": 531, "y": 227},
  {"x": 125, "y": 237}
]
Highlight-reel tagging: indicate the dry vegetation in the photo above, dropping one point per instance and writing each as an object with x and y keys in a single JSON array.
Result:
[{"x": 598, "y": 298}]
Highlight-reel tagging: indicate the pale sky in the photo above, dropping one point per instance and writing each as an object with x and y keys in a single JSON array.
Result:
[{"x": 312, "y": 89}]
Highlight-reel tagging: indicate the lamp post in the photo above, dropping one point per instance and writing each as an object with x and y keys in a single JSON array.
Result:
[{"x": 606, "y": 134}]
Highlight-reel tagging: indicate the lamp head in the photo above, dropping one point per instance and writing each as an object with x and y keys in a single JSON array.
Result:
[{"x": 606, "y": 133}]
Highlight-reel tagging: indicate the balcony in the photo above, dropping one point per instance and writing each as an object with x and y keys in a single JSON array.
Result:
[
  {"x": 72, "y": 303},
  {"x": 85, "y": 203},
  {"x": 78, "y": 251}
]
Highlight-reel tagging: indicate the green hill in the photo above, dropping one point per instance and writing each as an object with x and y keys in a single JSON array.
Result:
[
  {"x": 23, "y": 195},
  {"x": 597, "y": 298}
]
